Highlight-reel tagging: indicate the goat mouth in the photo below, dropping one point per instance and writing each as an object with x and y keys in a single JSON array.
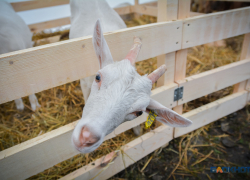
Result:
[
  {"x": 86, "y": 147},
  {"x": 79, "y": 145},
  {"x": 82, "y": 150}
]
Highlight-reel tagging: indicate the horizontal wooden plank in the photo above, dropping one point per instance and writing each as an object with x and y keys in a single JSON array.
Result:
[
  {"x": 65, "y": 21},
  {"x": 36, "y": 69},
  {"x": 124, "y": 10},
  {"x": 28, "y": 5},
  {"x": 213, "y": 111},
  {"x": 153, "y": 3},
  {"x": 216, "y": 26},
  {"x": 59, "y": 63},
  {"x": 144, "y": 9},
  {"x": 49, "y": 24},
  {"x": 133, "y": 151},
  {"x": 56, "y": 145},
  {"x": 150, "y": 10},
  {"x": 48, "y": 40},
  {"x": 36, "y": 4},
  {"x": 192, "y": 14},
  {"x": 210, "y": 81}
]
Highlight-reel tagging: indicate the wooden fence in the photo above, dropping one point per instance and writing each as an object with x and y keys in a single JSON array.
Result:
[{"x": 36, "y": 69}]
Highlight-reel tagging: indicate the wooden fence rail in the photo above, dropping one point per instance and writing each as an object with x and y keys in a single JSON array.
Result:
[
  {"x": 147, "y": 9},
  {"x": 36, "y": 69},
  {"x": 29, "y": 5},
  {"x": 59, "y": 63},
  {"x": 37, "y": 27}
]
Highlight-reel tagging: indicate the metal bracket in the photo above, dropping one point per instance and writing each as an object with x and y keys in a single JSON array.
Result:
[{"x": 178, "y": 93}]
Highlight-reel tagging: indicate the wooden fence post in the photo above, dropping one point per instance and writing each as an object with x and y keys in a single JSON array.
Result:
[
  {"x": 248, "y": 89},
  {"x": 167, "y": 13},
  {"x": 181, "y": 56},
  {"x": 136, "y": 15},
  {"x": 161, "y": 17},
  {"x": 245, "y": 53}
]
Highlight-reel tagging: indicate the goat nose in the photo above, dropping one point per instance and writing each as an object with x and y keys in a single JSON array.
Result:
[{"x": 86, "y": 138}]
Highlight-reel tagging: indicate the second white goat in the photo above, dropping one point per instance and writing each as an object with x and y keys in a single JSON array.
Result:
[{"x": 15, "y": 35}]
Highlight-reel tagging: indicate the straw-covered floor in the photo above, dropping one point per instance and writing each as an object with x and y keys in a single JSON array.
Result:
[{"x": 64, "y": 104}]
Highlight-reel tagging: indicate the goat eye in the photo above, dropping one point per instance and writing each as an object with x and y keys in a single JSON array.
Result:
[
  {"x": 138, "y": 113},
  {"x": 98, "y": 78}
]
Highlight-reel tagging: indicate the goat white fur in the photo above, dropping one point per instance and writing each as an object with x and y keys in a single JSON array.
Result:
[
  {"x": 84, "y": 14},
  {"x": 15, "y": 35},
  {"x": 117, "y": 94}
]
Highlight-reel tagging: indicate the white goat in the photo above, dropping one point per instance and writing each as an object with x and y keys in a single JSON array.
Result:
[
  {"x": 15, "y": 35},
  {"x": 84, "y": 14},
  {"x": 118, "y": 94}
]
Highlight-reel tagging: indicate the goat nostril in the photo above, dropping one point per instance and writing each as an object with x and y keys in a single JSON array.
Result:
[
  {"x": 138, "y": 113},
  {"x": 86, "y": 138}
]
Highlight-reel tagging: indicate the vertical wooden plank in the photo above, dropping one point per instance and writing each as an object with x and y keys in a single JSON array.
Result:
[
  {"x": 248, "y": 89},
  {"x": 184, "y": 9},
  {"x": 161, "y": 16},
  {"x": 136, "y": 15},
  {"x": 167, "y": 10},
  {"x": 178, "y": 109},
  {"x": 245, "y": 53},
  {"x": 169, "y": 61},
  {"x": 172, "y": 10},
  {"x": 162, "y": 11},
  {"x": 248, "y": 85},
  {"x": 180, "y": 65},
  {"x": 181, "y": 56},
  {"x": 239, "y": 87}
]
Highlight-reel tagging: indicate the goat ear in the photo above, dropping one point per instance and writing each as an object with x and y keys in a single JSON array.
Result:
[
  {"x": 101, "y": 47},
  {"x": 167, "y": 116}
]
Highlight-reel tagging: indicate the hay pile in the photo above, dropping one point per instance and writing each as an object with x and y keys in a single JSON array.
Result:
[{"x": 63, "y": 105}]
